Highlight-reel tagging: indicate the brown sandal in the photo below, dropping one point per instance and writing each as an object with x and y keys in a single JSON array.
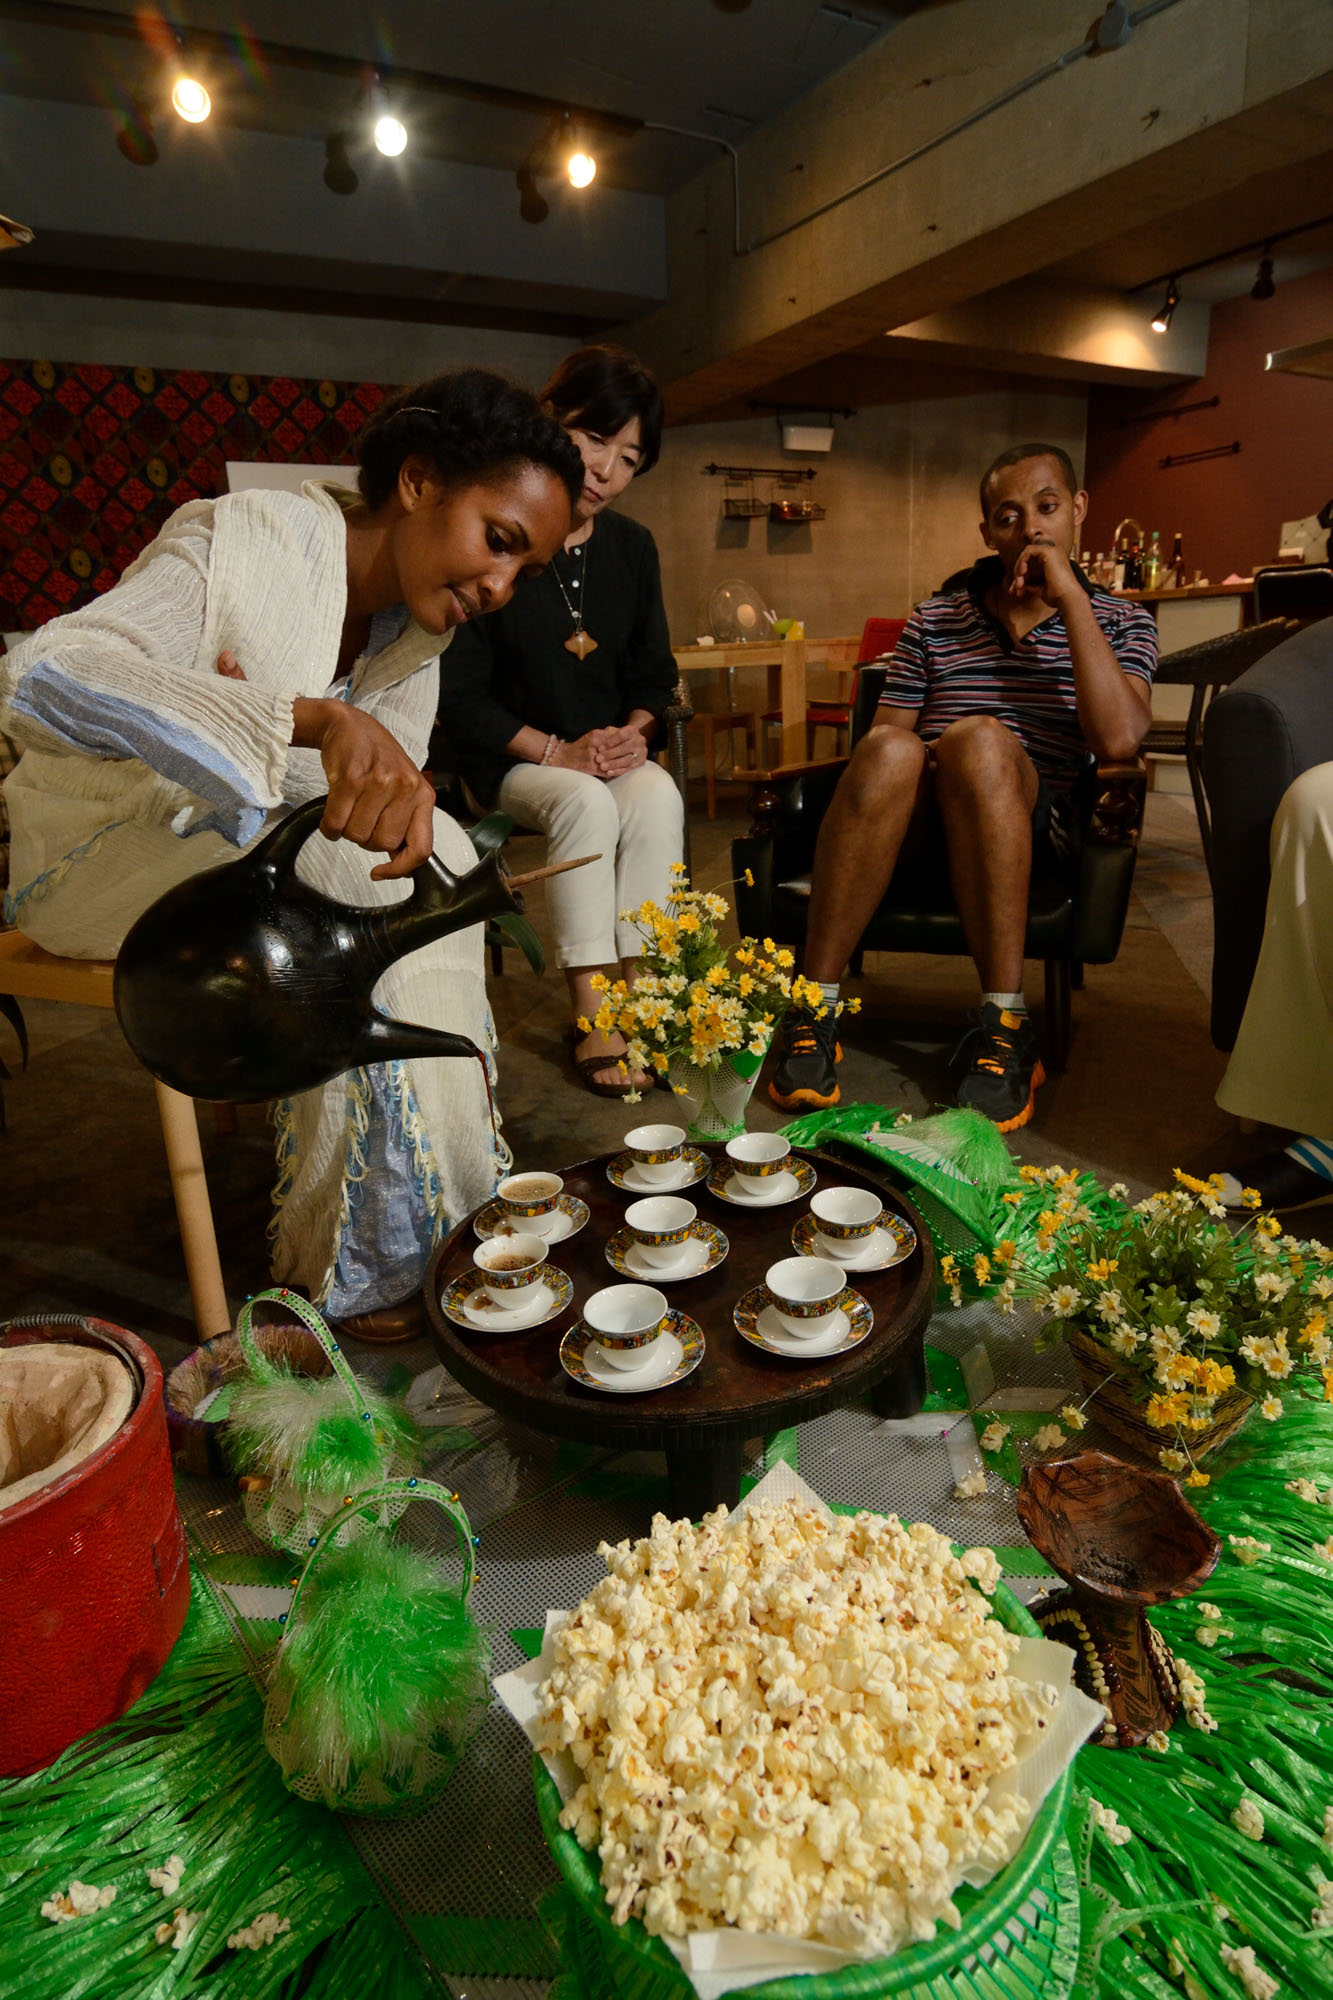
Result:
[{"x": 586, "y": 1068}]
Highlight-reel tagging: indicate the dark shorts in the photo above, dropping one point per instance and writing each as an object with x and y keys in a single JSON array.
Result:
[{"x": 923, "y": 865}]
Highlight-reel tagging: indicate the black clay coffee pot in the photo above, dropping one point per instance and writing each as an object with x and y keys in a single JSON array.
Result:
[{"x": 243, "y": 984}]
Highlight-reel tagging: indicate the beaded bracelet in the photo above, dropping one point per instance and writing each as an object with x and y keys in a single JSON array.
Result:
[{"x": 549, "y": 752}]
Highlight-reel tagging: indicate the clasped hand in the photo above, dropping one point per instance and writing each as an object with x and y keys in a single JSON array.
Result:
[
  {"x": 378, "y": 799},
  {"x": 604, "y": 753}
]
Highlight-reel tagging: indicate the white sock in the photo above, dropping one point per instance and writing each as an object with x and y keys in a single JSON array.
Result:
[
  {"x": 829, "y": 990},
  {"x": 1011, "y": 1003}
]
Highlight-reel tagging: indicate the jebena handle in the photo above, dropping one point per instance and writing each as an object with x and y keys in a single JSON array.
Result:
[
  {"x": 258, "y": 1362},
  {"x": 374, "y": 1496}
]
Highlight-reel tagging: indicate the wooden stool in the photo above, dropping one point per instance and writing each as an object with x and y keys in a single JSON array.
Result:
[
  {"x": 30, "y": 973},
  {"x": 710, "y": 724}
]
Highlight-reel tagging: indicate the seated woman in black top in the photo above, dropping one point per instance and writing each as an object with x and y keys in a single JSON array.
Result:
[{"x": 550, "y": 704}]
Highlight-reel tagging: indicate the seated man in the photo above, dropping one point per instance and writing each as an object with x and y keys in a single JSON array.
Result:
[{"x": 998, "y": 688}]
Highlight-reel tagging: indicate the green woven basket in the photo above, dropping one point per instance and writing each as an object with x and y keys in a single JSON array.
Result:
[{"x": 1019, "y": 1935}]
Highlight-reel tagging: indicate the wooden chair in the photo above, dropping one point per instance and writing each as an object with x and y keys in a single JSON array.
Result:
[
  {"x": 713, "y": 723},
  {"x": 29, "y": 973},
  {"x": 879, "y": 636}
]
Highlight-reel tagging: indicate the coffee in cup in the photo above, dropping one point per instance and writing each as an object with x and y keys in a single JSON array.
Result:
[
  {"x": 511, "y": 1268},
  {"x": 531, "y": 1198}
]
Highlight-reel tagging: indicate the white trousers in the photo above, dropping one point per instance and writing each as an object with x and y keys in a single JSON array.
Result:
[
  {"x": 1281, "y": 1070},
  {"x": 634, "y": 822}
]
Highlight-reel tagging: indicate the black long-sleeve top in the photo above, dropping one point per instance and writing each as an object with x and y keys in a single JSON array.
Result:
[{"x": 511, "y": 667}]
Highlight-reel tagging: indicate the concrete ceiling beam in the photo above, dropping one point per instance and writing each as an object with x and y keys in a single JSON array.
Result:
[{"x": 1205, "y": 94}]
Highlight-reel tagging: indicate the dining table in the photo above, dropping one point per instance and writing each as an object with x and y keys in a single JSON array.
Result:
[{"x": 788, "y": 663}]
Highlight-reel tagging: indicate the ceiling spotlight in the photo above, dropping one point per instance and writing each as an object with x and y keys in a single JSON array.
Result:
[
  {"x": 1264, "y": 284},
  {"x": 339, "y": 173},
  {"x": 532, "y": 203},
  {"x": 390, "y": 132},
  {"x": 189, "y": 99},
  {"x": 134, "y": 136},
  {"x": 1161, "y": 319}
]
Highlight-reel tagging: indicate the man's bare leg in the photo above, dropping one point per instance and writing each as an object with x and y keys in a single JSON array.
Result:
[
  {"x": 986, "y": 786},
  {"x": 859, "y": 843}
]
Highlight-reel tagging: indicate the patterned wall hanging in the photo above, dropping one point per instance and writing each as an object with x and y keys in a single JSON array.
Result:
[{"x": 94, "y": 459}]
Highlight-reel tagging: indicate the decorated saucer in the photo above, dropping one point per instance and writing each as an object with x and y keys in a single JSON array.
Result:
[
  {"x": 622, "y": 1173},
  {"x": 677, "y": 1355},
  {"x": 569, "y": 1217},
  {"x": 888, "y": 1244},
  {"x": 465, "y": 1302},
  {"x": 702, "y": 1251},
  {"x": 791, "y": 1185},
  {"x": 757, "y": 1322}
]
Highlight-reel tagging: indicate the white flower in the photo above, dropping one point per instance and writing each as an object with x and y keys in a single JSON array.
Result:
[
  {"x": 993, "y": 1437},
  {"x": 1125, "y": 1339},
  {"x": 1204, "y": 1322},
  {"x": 261, "y": 1932},
  {"x": 1049, "y": 1438},
  {"x": 1271, "y": 1285},
  {"x": 1258, "y": 1984},
  {"x": 1173, "y": 1460},
  {"x": 1110, "y": 1307},
  {"x": 1248, "y": 1819},
  {"x": 1063, "y": 1300},
  {"x": 971, "y": 1486},
  {"x": 1108, "y": 1822},
  {"x": 1271, "y": 1407},
  {"x": 1118, "y": 1191},
  {"x": 1073, "y": 1416}
]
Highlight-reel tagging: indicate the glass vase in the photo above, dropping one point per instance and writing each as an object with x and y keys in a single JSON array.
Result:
[{"x": 715, "y": 1099}]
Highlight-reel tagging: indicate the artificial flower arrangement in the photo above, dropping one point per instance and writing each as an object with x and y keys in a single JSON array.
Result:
[
  {"x": 1178, "y": 1322},
  {"x": 696, "y": 1002}
]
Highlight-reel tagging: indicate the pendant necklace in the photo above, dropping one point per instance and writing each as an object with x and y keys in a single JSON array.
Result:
[{"x": 579, "y": 642}]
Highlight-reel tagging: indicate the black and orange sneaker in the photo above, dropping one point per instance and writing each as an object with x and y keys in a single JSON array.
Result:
[
  {"x": 1004, "y": 1070},
  {"x": 808, "y": 1051}
]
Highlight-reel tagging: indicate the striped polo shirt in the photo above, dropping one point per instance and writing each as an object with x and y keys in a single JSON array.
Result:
[{"x": 955, "y": 659}]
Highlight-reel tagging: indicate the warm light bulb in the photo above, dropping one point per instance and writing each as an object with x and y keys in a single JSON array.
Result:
[
  {"x": 390, "y": 135},
  {"x": 581, "y": 169},
  {"x": 190, "y": 100}
]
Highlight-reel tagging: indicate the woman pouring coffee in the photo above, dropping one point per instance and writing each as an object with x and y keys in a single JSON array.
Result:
[
  {"x": 550, "y": 708},
  {"x": 265, "y": 648}
]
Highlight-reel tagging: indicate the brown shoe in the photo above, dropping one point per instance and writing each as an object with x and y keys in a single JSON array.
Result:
[{"x": 386, "y": 1324}]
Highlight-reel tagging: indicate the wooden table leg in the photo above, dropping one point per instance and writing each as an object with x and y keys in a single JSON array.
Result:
[
  {"x": 194, "y": 1213},
  {"x": 902, "y": 1391},
  {"x": 794, "y": 746},
  {"x": 703, "y": 1476}
]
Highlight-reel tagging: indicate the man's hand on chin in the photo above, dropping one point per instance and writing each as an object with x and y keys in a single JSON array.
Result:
[{"x": 1043, "y": 572}]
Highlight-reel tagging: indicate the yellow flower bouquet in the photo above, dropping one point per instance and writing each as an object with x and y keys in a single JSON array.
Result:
[
  {"x": 1179, "y": 1323},
  {"x": 699, "y": 1012}
]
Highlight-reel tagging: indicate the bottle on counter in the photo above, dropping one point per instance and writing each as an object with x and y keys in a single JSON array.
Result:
[
  {"x": 1152, "y": 562},
  {"x": 1133, "y": 568},
  {"x": 1099, "y": 568},
  {"x": 1178, "y": 562}
]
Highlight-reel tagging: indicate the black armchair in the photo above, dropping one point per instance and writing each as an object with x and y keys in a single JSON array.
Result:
[
  {"x": 1074, "y": 918},
  {"x": 1258, "y": 737}
]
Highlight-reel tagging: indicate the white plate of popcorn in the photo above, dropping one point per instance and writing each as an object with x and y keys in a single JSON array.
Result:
[{"x": 794, "y": 1738}]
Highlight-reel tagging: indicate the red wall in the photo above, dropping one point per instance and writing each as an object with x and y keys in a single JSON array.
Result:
[{"x": 1229, "y": 510}]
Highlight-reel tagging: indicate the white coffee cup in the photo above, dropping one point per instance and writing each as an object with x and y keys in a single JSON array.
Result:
[
  {"x": 804, "y": 1294},
  {"x": 845, "y": 1220},
  {"x": 531, "y": 1201},
  {"x": 757, "y": 1159},
  {"x": 660, "y": 1226},
  {"x": 657, "y": 1151},
  {"x": 627, "y": 1321},
  {"x": 511, "y": 1267}
]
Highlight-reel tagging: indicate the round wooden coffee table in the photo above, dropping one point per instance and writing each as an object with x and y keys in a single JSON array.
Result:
[{"x": 738, "y": 1391}]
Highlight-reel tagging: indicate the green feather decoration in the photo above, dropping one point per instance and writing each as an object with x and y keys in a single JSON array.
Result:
[
  {"x": 382, "y": 1672},
  {"x": 309, "y": 1434}
]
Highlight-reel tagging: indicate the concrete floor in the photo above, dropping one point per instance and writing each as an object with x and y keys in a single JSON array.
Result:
[{"x": 86, "y": 1218}]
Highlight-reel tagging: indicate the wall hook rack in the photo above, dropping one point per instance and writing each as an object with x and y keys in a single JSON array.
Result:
[{"x": 1193, "y": 457}]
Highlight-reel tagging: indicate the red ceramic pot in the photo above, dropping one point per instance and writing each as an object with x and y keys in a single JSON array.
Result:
[{"x": 94, "y": 1582}]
